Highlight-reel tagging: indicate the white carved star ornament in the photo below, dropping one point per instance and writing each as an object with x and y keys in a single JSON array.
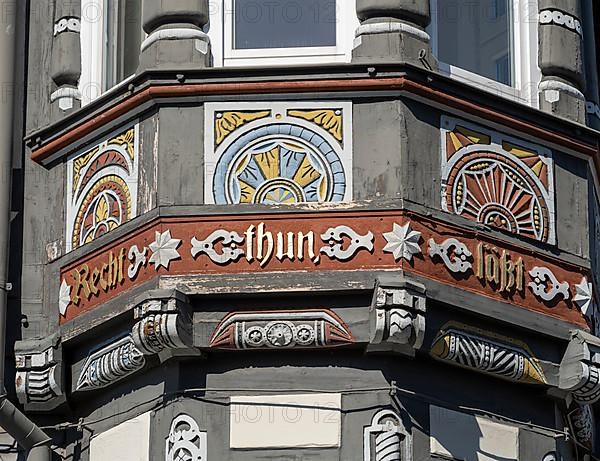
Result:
[
  {"x": 64, "y": 297},
  {"x": 584, "y": 296},
  {"x": 164, "y": 250},
  {"x": 403, "y": 242}
]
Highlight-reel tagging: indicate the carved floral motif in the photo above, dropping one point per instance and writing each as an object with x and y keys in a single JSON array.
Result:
[{"x": 102, "y": 188}]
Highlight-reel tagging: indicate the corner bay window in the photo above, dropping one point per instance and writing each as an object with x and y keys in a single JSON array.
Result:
[{"x": 488, "y": 43}]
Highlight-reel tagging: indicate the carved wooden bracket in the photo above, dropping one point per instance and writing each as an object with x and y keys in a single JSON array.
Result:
[{"x": 397, "y": 319}]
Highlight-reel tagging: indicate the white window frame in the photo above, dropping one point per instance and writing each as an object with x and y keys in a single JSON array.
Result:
[
  {"x": 94, "y": 47},
  {"x": 225, "y": 55},
  {"x": 524, "y": 42}
]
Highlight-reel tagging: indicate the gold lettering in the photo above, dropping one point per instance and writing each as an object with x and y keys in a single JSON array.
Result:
[
  {"x": 520, "y": 274},
  {"x": 104, "y": 282},
  {"x": 81, "y": 275},
  {"x": 492, "y": 266},
  {"x": 121, "y": 276},
  {"x": 480, "y": 270},
  {"x": 262, "y": 254},
  {"x": 507, "y": 273},
  {"x": 113, "y": 272},
  {"x": 95, "y": 278}
]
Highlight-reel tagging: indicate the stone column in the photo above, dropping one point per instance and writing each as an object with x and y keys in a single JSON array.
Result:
[
  {"x": 561, "y": 59},
  {"x": 66, "y": 54},
  {"x": 175, "y": 35},
  {"x": 393, "y": 31}
]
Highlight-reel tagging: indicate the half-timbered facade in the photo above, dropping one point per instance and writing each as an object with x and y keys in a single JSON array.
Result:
[{"x": 351, "y": 230}]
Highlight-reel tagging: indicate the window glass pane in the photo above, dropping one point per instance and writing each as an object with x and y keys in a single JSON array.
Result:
[
  {"x": 476, "y": 35},
  {"x": 284, "y": 23},
  {"x": 123, "y": 39}
]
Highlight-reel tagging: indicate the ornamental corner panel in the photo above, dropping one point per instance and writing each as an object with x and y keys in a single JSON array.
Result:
[
  {"x": 278, "y": 152},
  {"x": 102, "y": 187},
  {"x": 497, "y": 180}
]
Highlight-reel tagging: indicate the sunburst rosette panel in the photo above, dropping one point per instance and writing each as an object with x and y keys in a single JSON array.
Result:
[
  {"x": 102, "y": 188},
  {"x": 497, "y": 180},
  {"x": 278, "y": 153}
]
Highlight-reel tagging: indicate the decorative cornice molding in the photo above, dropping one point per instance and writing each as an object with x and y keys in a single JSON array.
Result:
[
  {"x": 39, "y": 377},
  {"x": 45, "y": 152},
  {"x": 488, "y": 353},
  {"x": 397, "y": 316}
]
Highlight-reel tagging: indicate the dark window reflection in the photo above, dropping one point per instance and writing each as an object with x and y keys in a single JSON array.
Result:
[
  {"x": 477, "y": 36},
  {"x": 284, "y": 23}
]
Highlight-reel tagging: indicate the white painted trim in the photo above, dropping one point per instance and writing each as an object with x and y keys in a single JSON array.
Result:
[
  {"x": 526, "y": 72},
  {"x": 181, "y": 33},
  {"x": 387, "y": 27},
  {"x": 557, "y": 85},
  {"x": 92, "y": 50},
  {"x": 224, "y": 55}
]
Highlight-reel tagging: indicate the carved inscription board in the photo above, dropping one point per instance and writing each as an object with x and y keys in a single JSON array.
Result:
[{"x": 324, "y": 241}]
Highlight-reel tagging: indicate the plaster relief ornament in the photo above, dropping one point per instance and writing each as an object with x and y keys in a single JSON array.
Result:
[
  {"x": 102, "y": 186},
  {"x": 278, "y": 152},
  {"x": 403, "y": 242},
  {"x": 110, "y": 364},
  {"x": 583, "y": 426},
  {"x": 383, "y": 439},
  {"x": 185, "y": 441},
  {"x": 277, "y": 330},
  {"x": 64, "y": 297},
  {"x": 164, "y": 250},
  {"x": 487, "y": 352},
  {"x": 138, "y": 259},
  {"x": 453, "y": 253},
  {"x": 498, "y": 181},
  {"x": 584, "y": 296},
  {"x": 229, "y": 242},
  {"x": 546, "y": 286},
  {"x": 335, "y": 236}
]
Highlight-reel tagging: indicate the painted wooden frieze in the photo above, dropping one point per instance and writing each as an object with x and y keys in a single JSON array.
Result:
[
  {"x": 326, "y": 241},
  {"x": 102, "y": 188},
  {"x": 274, "y": 153},
  {"x": 497, "y": 180}
]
